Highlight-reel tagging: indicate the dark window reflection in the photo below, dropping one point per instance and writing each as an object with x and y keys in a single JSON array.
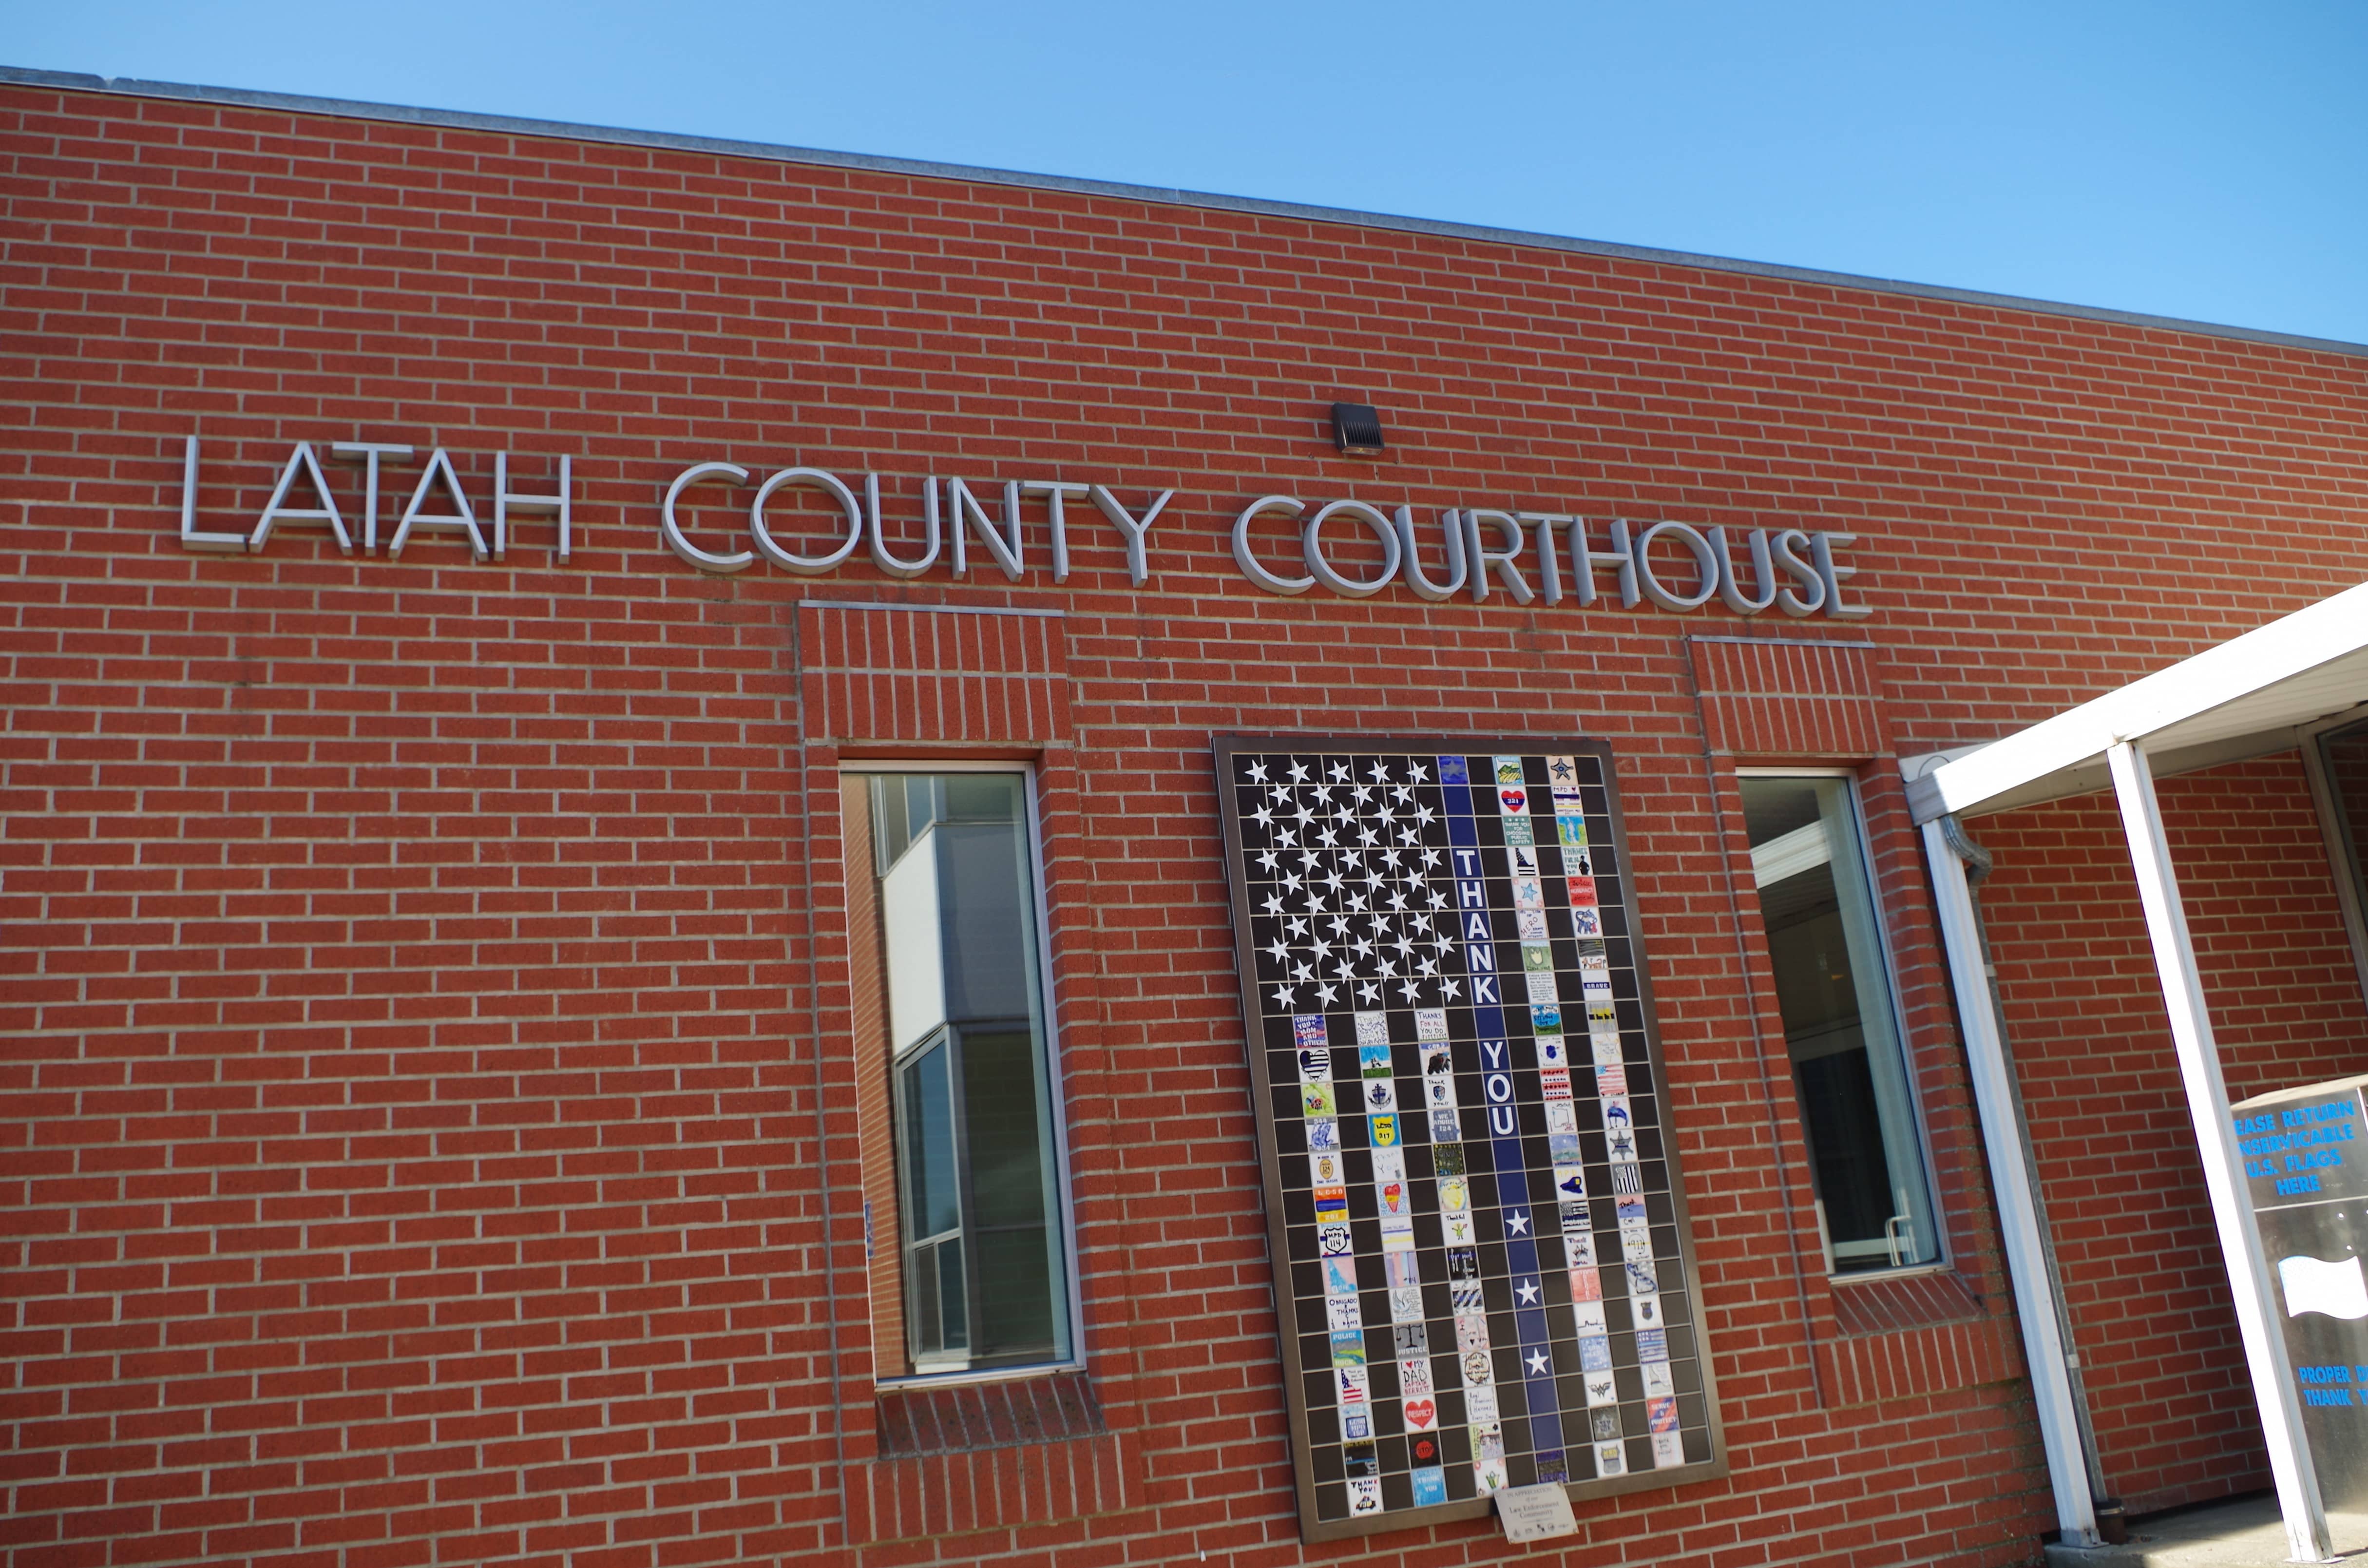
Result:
[
  {"x": 984, "y": 1278},
  {"x": 1818, "y": 908}
]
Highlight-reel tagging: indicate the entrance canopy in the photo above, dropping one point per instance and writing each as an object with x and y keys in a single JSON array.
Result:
[
  {"x": 2247, "y": 697},
  {"x": 2269, "y": 690}
]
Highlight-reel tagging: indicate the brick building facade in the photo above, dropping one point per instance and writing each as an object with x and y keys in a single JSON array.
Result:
[{"x": 431, "y": 1129}]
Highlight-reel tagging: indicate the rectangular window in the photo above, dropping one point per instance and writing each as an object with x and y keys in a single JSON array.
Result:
[
  {"x": 2342, "y": 780},
  {"x": 965, "y": 1219},
  {"x": 1841, "y": 1029}
]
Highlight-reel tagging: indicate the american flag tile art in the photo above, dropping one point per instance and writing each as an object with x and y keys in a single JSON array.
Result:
[{"x": 1483, "y": 1264}]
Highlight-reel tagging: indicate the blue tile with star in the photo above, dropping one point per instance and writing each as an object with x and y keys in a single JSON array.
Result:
[{"x": 1483, "y": 1270}]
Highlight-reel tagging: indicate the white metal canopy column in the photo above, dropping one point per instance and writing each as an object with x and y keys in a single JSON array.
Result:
[
  {"x": 2254, "y": 695},
  {"x": 2224, "y": 1169},
  {"x": 2043, "y": 1349}
]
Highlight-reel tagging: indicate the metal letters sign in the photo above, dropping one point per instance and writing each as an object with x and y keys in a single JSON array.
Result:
[{"x": 1483, "y": 1265}]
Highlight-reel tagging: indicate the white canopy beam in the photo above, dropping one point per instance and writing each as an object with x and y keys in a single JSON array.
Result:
[
  {"x": 2208, "y": 1104},
  {"x": 2240, "y": 698}
]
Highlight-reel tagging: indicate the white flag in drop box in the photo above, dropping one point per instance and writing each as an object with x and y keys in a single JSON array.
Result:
[{"x": 2338, "y": 1290}]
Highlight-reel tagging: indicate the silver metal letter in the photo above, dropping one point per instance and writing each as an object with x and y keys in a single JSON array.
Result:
[
  {"x": 810, "y": 479},
  {"x": 1132, "y": 529},
  {"x": 1549, "y": 569},
  {"x": 301, "y": 462},
  {"x": 1787, "y": 545},
  {"x": 1349, "y": 587},
  {"x": 367, "y": 454},
  {"x": 1248, "y": 562},
  {"x": 191, "y": 540},
  {"x": 1705, "y": 563},
  {"x": 718, "y": 566},
  {"x": 462, "y": 521},
  {"x": 880, "y": 554},
  {"x": 1509, "y": 530},
  {"x": 505, "y": 498},
  {"x": 963, "y": 510},
  {"x": 1451, "y": 523},
  {"x": 1586, "y": 561},
  {"x": 1055, "y": 492},
  {"x": 1821, "y": 551},
  {"x": 1764, "y": 570}
]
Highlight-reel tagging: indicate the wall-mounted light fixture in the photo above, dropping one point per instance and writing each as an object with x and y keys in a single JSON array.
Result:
[{"x": 1357, "y": 428}]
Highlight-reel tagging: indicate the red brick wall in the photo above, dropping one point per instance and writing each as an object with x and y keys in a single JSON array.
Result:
[
  {"x": 2148, "y": 1291},
  {"x": 429, "y": 1099}
]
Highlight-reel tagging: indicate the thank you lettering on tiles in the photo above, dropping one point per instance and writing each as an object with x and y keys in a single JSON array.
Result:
[{"x": 397, "y": 496}]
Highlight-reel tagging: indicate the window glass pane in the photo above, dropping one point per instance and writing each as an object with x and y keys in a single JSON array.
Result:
[
  {"x": 978, "y": 1278},
  {"x": 932, "y": 1181},
  {"x": 1817, "y": 907},
  {"x": 986, "y": 916},
  {"x": 2345, "y": 752}
]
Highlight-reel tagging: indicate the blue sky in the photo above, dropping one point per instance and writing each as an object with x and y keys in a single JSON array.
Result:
[{"x": 2209, "y": 162}]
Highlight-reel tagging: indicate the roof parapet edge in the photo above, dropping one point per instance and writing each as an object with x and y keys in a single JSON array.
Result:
[{"x": 344, "y": 108}]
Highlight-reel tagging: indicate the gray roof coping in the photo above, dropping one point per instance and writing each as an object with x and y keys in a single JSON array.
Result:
[{"x": 344, "y": 108}]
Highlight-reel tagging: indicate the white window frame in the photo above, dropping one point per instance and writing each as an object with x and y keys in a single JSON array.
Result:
[
  {"x": 1886, "y": 951},
  {"x": 1072, "y": 1298}
]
